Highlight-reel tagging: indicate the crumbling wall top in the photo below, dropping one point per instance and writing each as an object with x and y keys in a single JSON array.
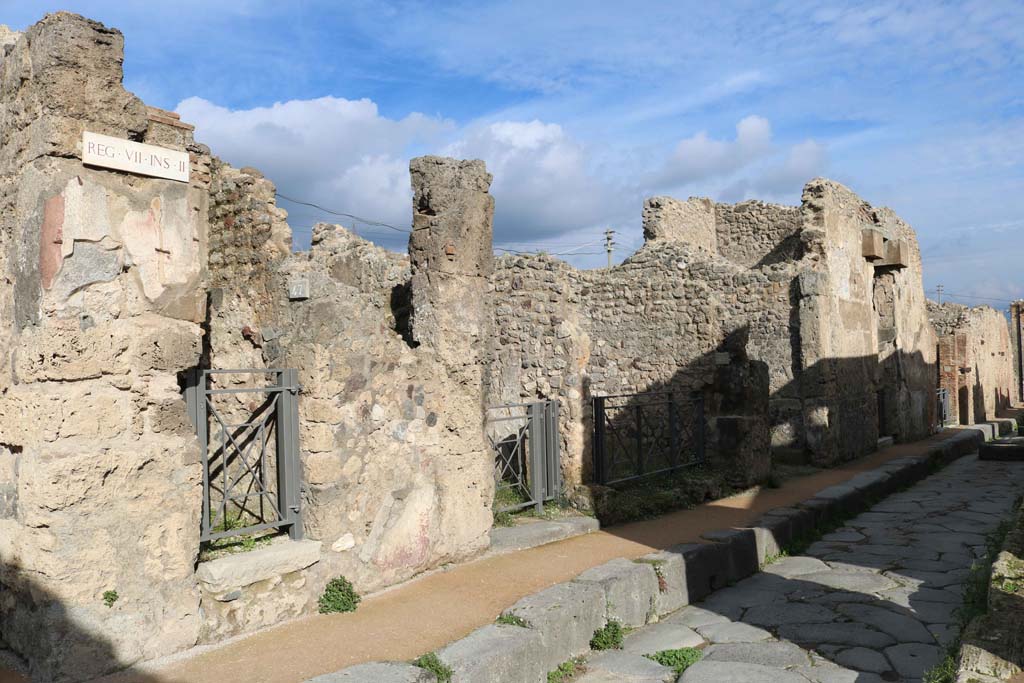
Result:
[
  {"x": 691, "y": 222},
  {"x": 452, "y": 216}
]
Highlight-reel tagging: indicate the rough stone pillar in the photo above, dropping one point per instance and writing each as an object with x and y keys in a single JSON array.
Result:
[
  {"x": 1017, "y": 343},
  {"x": 452, "y": 257}
]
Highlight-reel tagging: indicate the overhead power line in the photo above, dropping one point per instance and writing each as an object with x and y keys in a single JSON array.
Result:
[
  {"x": 343, "y": 214},
  {"x": 942, "y": 291}
]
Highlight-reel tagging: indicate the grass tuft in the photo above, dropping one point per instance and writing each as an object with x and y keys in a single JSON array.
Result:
[
  {"x": 432, "y": 663},
  {"x": 567, "y": 671},
  {"x": 339, "y": 596},
  {"x": 678, "y": 660},
  {"x": 511, "y": 620},
  {"x": 608, "y": 637}
]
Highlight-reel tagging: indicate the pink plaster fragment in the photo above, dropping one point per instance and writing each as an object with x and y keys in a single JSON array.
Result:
[{"x": 50, "y": 239}]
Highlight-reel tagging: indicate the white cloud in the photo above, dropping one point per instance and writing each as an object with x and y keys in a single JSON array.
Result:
[
  {"x": 339, "y": 153},
  {"x": 700, "y": 157},
  {"x": 544, "y": 185},
  {"x": 342, "y": 154}
]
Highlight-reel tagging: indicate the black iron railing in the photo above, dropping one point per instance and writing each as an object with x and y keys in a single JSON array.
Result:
[{"x": 642, "y": 435}]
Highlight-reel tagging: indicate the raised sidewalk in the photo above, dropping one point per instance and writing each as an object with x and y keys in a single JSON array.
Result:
[{"x": 425, "y": 614}]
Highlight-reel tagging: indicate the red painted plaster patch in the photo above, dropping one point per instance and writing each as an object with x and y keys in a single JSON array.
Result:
[{"x": 50, "y": 238}]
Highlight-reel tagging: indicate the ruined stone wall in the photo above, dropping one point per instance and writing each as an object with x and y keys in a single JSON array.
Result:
[
  {"x": 841, "y": 330},
  {"x": 98, "y": 462},
  {"x": 1017, "y": 344},
  {"x": 868, "y": 352},
  {"x": 397, "y": 478},
  {"x": 975, "y": 360},
  {"x": 654, "y": 323},
  {"x": 754, "y": 233}
]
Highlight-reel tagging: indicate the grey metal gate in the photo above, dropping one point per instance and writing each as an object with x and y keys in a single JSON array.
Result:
[
  {"x": 524, "y": 438},
  {"x": 250, "y": 452},
  {"x": 640, "y": 435},
  {"x": 942, "y": 406}
]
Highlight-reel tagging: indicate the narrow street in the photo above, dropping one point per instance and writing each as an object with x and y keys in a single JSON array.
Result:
[{"x": 875, "y": 600}]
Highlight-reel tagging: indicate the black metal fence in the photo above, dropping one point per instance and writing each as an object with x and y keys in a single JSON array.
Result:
[
  {"x": 942, "y": 406},
  {"x": 524, "y": 438},
  {"x": 250, "y": 452},
  {"x": 641, "y": 435}
]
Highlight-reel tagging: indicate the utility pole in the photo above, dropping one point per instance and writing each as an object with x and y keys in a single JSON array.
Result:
[
  {"x": 608, "y": 243},
  {"x": 938, "y": 290}
]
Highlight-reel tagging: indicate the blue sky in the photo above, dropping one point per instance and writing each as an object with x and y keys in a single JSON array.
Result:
[{"x": 582, "y": 108}]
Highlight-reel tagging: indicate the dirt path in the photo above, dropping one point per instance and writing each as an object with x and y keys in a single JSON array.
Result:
[{"x": 425, "y": 614}]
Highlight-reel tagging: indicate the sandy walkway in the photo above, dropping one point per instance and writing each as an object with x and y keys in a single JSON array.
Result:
[{"x": 425, "y": 614}]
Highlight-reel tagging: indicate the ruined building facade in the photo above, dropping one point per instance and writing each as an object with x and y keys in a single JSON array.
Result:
[
  {"x": 975, "y": 361},
  {"x": 803, "y": 330}
]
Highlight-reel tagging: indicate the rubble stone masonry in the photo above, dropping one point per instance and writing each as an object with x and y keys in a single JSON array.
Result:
[
  {"x": 975, "y": 360},
  {"x": 102, "y": 273},
  {"x": 804, "y": 329}
]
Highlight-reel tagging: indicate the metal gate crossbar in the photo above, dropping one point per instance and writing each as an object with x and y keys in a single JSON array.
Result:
[
  {"x": 256, "y": 477},
  {"x": 526, "y": 457},
  {"x": 644, "y": 435},
  {"x": 267, "y": 440}
]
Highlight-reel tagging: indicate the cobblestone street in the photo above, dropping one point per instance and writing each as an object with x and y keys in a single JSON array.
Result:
[{"x": 875, "y": 600}]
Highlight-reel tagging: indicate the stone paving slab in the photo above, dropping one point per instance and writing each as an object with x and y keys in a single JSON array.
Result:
[{"x": 873, "y": 601}]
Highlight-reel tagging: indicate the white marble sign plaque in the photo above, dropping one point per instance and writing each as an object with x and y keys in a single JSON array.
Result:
[{"x": 125, "y": 155}]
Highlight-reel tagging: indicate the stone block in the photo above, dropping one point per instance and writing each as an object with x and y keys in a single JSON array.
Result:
[
  {"x": 495, "y": 654},
  {"x": 378, "y": 672},
  {"x": 630, "y": 589},
  {"x": 842, "y": 500},
  {"x": 670, "y": 568},
  {"x": 787, "y": 524},
  {"x": 237, "y": 571},
  {"x": 741, "y": 549},
  {"x": 522, "y": 536},
  {"x": 63, "y": 351},
  {"x": 707, "y": 568},
  {"x": 566, "y": 616},
  {"x": 897, "y": 254},
  {"x": 873, "y": 245},
  {"x": 874, "y": 484},
  {"x": 625, "y": 666},
  {"x": 1002, "y": 449}
]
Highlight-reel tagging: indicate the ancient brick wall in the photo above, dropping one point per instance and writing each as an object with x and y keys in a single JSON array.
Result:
[
  {"x": 1017, "y": 348},
  {"x": 98, "y": 462},
  {"x": 975, "y": 360}
]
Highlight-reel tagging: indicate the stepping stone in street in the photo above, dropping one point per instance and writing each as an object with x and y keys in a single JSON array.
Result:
[
  {"x": 1009, "y": 449},
  {"x": 661, "y": 636},
  {"x": 706, "y": 671},
  {"x": 772, "y": 653}
]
